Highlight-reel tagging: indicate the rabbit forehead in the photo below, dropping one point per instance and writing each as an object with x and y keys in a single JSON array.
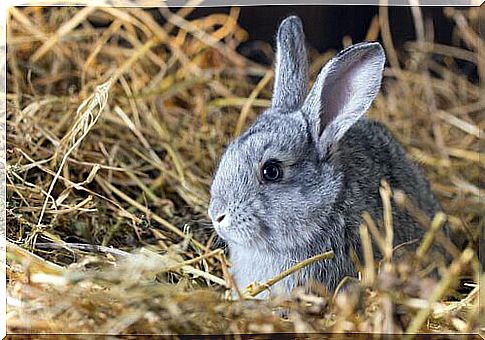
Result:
[
  {"x": 273, "y": 130},
  {"x": 282, "y": 137}
]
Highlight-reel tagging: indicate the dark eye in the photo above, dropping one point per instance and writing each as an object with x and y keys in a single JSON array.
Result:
[{"x": 271, "y": 171}]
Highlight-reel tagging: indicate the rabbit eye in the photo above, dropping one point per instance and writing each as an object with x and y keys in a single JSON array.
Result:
[{"x": 271, "y": 171}]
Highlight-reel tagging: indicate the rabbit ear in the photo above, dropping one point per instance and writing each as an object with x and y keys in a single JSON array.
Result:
[
  {"x": 291, "y": 73},
  {"x": 343, "y": 92}
]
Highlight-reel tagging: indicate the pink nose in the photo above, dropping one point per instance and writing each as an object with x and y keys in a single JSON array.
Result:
[{"x": 220, "y": 218}]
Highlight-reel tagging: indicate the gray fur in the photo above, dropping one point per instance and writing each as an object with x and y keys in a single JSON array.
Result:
[
  {"x": 291, "y": 70},
  {"x": 332, "y": 158}
]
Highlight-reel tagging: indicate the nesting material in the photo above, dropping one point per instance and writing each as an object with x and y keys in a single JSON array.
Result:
[{"x": 115, "y": 122}]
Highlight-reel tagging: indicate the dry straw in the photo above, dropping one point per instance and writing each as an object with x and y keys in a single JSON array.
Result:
[
  {"x": 87, "y": 115},
  {"x": 116, "y": 121}
]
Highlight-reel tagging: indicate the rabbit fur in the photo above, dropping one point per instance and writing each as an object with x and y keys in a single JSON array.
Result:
[{"x": 332, "y": 159}]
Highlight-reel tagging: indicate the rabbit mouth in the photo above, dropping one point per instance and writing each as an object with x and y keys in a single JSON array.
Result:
[
  {"x": 238, "y": 233},
  {"x": 233, "y": 234}
]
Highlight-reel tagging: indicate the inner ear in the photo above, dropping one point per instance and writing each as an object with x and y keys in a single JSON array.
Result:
[
  {"x": 351, "y": 85},
  {"x": 343, "y": 92},
  {"x": 291, "y": 69},
  {"x": 339, "y": 89}
]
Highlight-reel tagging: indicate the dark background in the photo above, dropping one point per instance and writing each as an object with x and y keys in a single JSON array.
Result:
[{"x": 325, "y": 26}]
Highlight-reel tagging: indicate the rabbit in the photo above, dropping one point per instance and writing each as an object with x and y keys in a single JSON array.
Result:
[{"x": 295, "y": 184}]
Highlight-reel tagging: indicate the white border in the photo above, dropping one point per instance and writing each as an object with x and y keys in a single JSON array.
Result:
[{"x": 5, "y": 4}]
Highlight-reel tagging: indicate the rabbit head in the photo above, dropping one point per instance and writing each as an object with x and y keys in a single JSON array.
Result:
[{"x": 275, "y": 184}]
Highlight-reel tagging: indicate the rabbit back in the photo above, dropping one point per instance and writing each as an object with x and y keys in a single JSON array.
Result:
[{"x": 367, "y": 154}]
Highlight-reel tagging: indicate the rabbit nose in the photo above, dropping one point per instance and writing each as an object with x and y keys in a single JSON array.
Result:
[
  {"x": 220, "y": 218},
  {"x": 218, "y": 212}
]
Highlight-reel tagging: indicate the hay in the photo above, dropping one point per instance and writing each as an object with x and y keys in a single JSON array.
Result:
[{"x": 108, "y": 187}]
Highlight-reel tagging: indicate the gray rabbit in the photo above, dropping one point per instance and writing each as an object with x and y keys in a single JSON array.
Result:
[{"x": 296, "y": 183}]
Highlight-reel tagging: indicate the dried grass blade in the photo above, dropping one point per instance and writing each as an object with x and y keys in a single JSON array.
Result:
[
  {"x": 262, "y": 287},
  {"x": 87, "y": 116},
  {"x": 449, "y": 278},
  {"x": 385, "y": 192},
  {"x": 249, "y": 102},
  {"x": 65, "y": 29},
  {"x": 35, "y": 263}
]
